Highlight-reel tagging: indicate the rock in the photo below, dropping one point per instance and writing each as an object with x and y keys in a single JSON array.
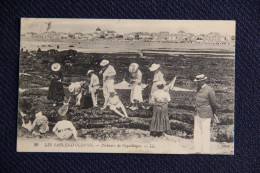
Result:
[
  {"x": 181, "y": 126},
  {"x": 223, "y": 133}
]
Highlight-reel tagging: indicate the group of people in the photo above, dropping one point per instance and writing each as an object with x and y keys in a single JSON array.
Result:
[
  {"x": 159, "y": 98},
  {"x": 63, "y": 129},
  {"x": 111, "y": 99}
]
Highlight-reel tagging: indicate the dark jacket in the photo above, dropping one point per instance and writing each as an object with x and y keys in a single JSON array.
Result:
[{"x": 206, "y": 102}]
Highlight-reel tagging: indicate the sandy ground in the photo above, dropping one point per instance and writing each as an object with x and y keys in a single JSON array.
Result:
[{"x": 138, "y": 141}]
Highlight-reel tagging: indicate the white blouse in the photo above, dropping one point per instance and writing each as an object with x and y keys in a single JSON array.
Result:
[
  {"x": 94, "y": 80},
  {"x": 161, "y": 96},
  {"x": 136, "y": 77},
  {"x": 159, "y": 76},
  {"x": 109, "y": 73}
]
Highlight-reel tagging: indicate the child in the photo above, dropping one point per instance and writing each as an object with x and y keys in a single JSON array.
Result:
[
  {"x": 93, "y": 86},
  {"x": 114, "y": 104},
  {"x": 40, "y": 125},
  {"x": 26, "y": 113},
  {"x": 64, "y": 129}
]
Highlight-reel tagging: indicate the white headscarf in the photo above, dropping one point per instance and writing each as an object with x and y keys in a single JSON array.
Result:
[{"x": 133, "y": 67}]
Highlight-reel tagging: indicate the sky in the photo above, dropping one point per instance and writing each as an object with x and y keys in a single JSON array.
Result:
[{"x": 121, "y": 26}]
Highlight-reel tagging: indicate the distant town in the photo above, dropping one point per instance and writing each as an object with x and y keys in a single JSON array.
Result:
[{"x": 180, "y": 37}]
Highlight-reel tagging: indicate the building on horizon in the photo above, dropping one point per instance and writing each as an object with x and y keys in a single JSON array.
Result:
[
  {"x": 78, "y": 35},
  {"x": 180, "y": 37},
  {"x": 161, "y": 36}
]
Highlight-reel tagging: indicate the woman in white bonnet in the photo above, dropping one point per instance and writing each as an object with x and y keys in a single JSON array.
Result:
[{"x": 136, "y": 85}]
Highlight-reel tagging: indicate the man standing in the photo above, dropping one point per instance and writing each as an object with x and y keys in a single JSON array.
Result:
[
  {"x": 205, "y": 109},
  {"x": 109, "y": 74},
  {"x": 93, "y": 86}
]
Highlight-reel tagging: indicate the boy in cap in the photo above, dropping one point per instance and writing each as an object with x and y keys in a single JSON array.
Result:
[
  {"x": 109, "y": 74},
  {"x": 205, "y": 109},
  {"x": 93, "y": 86}
]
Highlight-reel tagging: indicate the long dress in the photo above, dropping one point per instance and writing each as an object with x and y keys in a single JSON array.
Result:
[
  {"x": 56, "y": 91},
  {"x": 160, "y": 120},
  {"x": 136, "y": 87},
  {"x": 86, "y": 100}
]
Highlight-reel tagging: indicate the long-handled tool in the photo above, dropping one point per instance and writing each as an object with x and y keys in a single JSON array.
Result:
[
  {"x": 64, "y": 109},
  {"x": 170, "y": 86}
]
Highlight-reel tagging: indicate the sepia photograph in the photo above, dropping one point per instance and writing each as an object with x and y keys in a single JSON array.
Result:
[{"x": 126, "y": 86}]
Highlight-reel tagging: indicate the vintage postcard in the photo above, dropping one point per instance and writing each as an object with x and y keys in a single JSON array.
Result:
[{"x": 126, "y": 86}]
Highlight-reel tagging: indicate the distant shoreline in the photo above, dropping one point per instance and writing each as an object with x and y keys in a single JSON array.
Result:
[{"x": 136, "y": 47}]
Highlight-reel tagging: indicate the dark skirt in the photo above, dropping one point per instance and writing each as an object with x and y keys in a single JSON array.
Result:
[
  {"x": 56, "y": 91},
  {"x": 86, "y": 101},
  {"x": 160, "y": 120}
]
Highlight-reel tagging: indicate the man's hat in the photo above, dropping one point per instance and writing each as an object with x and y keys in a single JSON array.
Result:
[
  {"x": 90, "y": 71},
  {"x": 55, "y": 67},
  {"x": 154, "y": 67},
  {"x": 200, "y": 77},
  {"x": 104, "y": 62}
]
